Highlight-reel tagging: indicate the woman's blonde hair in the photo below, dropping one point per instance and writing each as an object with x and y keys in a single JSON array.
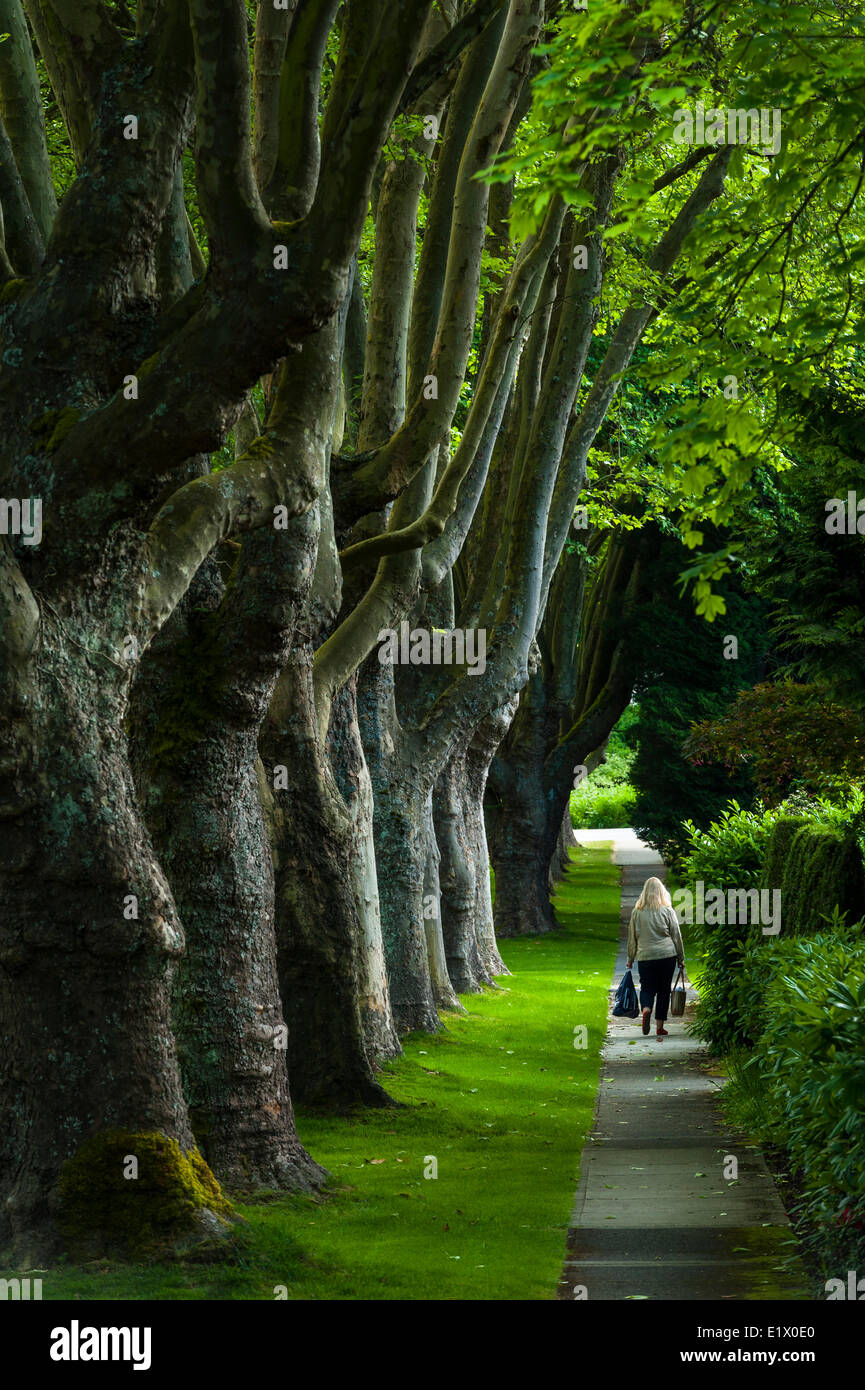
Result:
[{"x": 654, "y": 894}]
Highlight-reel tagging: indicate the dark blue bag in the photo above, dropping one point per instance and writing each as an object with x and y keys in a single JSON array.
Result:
[{"x": 627, "y": 1004}]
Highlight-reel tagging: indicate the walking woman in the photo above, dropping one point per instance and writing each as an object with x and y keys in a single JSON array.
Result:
[{"x": 655, "y": 942}]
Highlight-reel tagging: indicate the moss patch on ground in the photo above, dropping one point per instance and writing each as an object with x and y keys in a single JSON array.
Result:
[{"x": 502, "y": 1101}]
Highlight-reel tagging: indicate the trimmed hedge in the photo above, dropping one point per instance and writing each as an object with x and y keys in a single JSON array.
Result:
[
  {"x": 729, "y": 854},
  {"x": 819, "y": 871},
  {"x": 788, "y": 1012},
  {"x": 817, "y": 868},
  {"x": 806, "y": 1090},
  {"x": 779, "y": 849}
]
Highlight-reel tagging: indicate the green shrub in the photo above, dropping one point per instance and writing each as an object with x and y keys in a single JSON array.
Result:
[
  {"x": 818, "y": 868},
  {"x": 681, "y": 682},
  {"x": 602, "y": 807},
  {"x": 788, "y": 1011},
  {"x": 748, "y": 1102},
  {"x": 823, "y": 870},
  {"x": 721, "y": 950},
  {"x": 737, "y": 964},
  {"x": 762, "y": 960},
  {"x": 606, "y": 799},
  {"x": 779, "y": 848},
  {"x": 802, "y": 1086},
  {"x": 811, "y": 1056},
  {"x": 728, "y": 854},
  {"x": 731, "y": 852}
]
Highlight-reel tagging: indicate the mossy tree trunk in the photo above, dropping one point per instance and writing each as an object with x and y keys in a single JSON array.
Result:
[
  {"x": 443, "y": 987},
  {"x": 518, "y": 819},
  {"x": 109, "y": 385},
  {"x": 564, "y": 844},
  {"x": 89, "y": 931},
  {"x": 330, "y": 969},
  {"x": 352, "y": 774},
  {"x": 456, "y": 875},
  {"x": 200, "y": 776},
  {"x": 464, "y": 873},
  {"x": 401, "y": 851},
  {"x": 479, "y": 757}
]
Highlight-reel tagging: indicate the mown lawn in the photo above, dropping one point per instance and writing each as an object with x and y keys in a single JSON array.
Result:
[{"x": 502, "y": 1101}]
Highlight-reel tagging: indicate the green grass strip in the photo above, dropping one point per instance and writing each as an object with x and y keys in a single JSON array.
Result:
[{"x": 502, "y": 1101}]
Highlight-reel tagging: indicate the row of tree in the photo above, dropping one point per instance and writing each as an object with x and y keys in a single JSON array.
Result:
[{"x": 314, "y": 323}]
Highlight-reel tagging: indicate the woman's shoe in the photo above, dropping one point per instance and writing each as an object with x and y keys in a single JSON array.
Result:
[
  {"x": 660, "y": 1030},
  {"x": 647, "y": 1021}
]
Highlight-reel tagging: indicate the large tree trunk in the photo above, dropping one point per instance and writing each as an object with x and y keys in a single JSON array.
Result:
[
  {"x": 324, "y": 969},
  {"x": 229, "y": 1021},
  {"x": 444, "y": 990},
  {"x": 523, "y": 823},
  {"x": 88, "y": 938},
  {"x": 520, "y": 849},
  {"x": 467, "y": 911},
  {"x": 401, "y": 851},
  {"x": 564, "y": 844},
  {"x": 479, "y": 757},
  {"x": 457, "y": 876},
  {"x": 352, "y": 774},
  {"x": 401, "y": 858},
  {"x": 575, "y": 696},
  {"x": 208, "y": 689}
]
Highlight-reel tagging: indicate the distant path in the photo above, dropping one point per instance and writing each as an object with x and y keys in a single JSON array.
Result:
[{"x": 654, "y": 1215}]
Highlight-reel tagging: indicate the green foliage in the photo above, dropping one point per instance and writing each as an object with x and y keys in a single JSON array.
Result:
[
  {"x": 818, "y": 868},
  {"x": 684, "y": 679},
  {"x": 813, "y": 580},
  {"x": 813, "y": 1053},
  {"x": 721, "y": 951},
  {"x": 602, "y": 807},
  {"x": 730, "y": 852},
  {"x": 787, "y": 734},
  {"x": 606, "y": 798},
  {"x": 803, "y": 1085},
  {"x": 777, "y": 312},
  {"x": 779, "y": 848},
  {"x": 748, "y": 1103},
  {"x": 823, "y": 871}
]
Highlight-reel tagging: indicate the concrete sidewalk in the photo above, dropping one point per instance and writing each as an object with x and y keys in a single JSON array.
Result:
[{"x": 655, "y": 1217}]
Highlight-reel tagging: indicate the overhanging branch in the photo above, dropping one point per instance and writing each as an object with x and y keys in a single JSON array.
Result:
[{"x": 446, "y": 52}]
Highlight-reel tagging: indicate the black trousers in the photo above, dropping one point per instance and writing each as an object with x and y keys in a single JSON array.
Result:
[{"x": 656, "y": 978}]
